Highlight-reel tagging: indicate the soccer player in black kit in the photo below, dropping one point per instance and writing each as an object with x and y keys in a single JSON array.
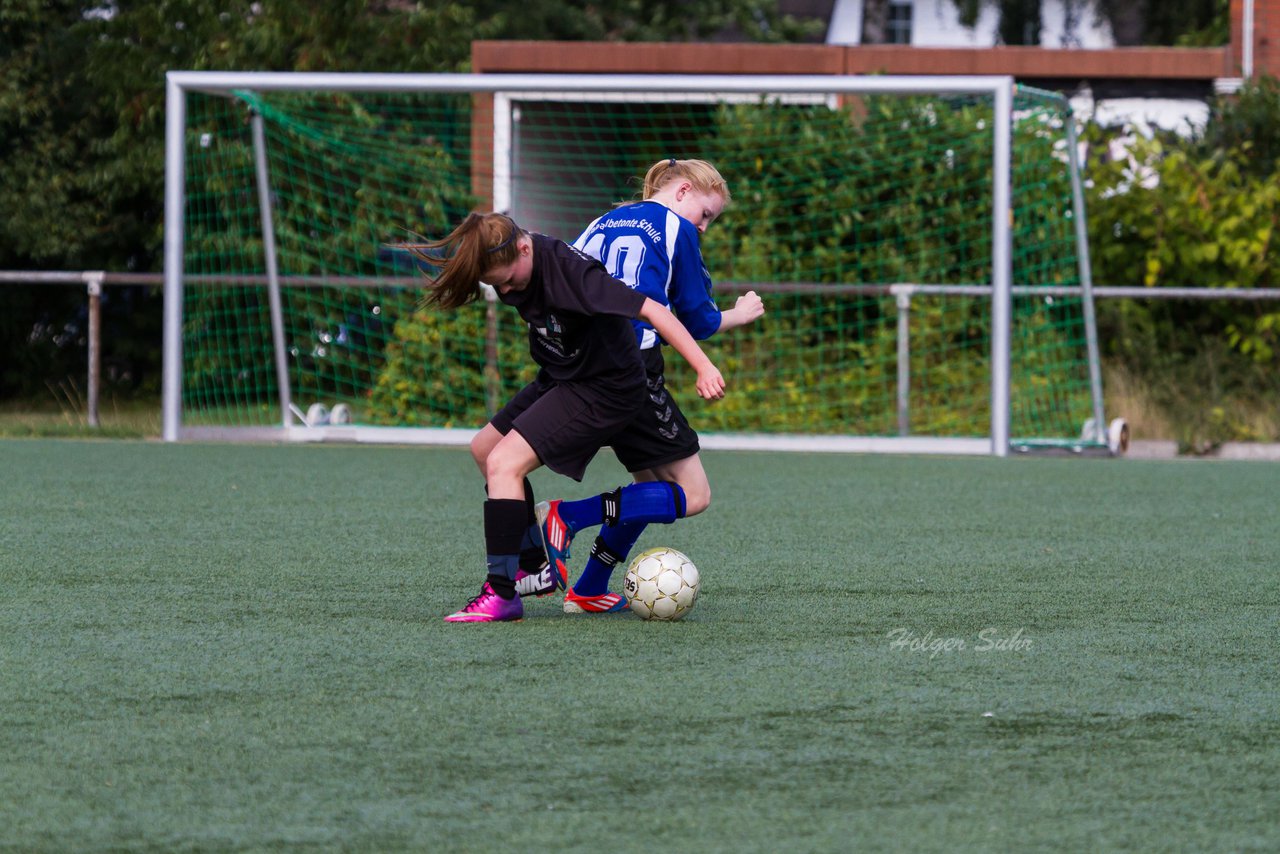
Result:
[{"x": 590, "y": 384}]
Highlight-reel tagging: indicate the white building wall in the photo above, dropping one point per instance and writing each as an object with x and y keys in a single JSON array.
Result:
[{"x": 936, "y": 23}]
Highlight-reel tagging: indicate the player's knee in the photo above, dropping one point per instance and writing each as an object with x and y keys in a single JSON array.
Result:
[
  {"x": 496, "y": 465},
  {"x": 480, "y": 449},
  {"x": 696, "y": 499},
  {"x": 484, "y": 443}
]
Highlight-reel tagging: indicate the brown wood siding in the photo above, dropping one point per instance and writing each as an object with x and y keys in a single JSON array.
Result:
[
  {"x": 534, "y": 57},
  {"x": 1026, "y": 63}
]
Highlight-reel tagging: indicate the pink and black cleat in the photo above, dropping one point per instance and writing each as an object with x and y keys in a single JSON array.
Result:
[{"x": 488, "y": 607}]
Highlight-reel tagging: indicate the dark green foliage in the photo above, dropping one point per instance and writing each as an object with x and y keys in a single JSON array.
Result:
[
  {"x": 82, "y": 112},
  {"x": 433, "y": 373},
  {"x": 81, "y": 119},
  {"x": 1248, "y": 123},
  {"x": 1203, "y": 213},
  {"x": 645, "y": 20},
  {"x": 352, "y": 178}
]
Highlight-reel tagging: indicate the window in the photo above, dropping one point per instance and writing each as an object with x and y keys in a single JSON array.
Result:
[{"x": 899, "y": 28}]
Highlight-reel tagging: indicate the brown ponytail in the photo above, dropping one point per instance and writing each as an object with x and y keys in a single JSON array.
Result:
[{"x": 480, "y": 243}]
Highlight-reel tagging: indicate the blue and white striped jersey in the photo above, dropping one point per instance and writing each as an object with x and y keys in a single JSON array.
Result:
[{"x": 655, "y": 250}]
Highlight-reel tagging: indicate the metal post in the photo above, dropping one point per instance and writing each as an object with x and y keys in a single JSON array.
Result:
[
  {"x": 502, "y": 152},
  {"x": 903, "y": 294},
  {"x": 1246, "y": 59},
  {"x": 275, "y": 303},
  {"x": 1001, "y": 267},
  {"x": 492, "y": 380},
  {"x": 174, "y": 176},
  {"x": 1086, "y": 281},
  {"x": 93, "y": 282}
]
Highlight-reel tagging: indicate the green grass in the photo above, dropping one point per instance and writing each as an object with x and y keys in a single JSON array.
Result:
[
  {"x": 225, "y": 648},
  {"x": 67, "y": 416}
]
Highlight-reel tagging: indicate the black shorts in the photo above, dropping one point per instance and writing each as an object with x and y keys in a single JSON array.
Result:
[
  {"x": 566, "y": 423},
  {"x": 659, "y": 434}
]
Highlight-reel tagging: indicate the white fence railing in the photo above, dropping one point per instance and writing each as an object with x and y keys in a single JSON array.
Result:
[{"x": 95, "y": 280}]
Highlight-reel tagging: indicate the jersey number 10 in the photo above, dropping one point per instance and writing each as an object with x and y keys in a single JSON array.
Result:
[{"x": 626, "y": 254}]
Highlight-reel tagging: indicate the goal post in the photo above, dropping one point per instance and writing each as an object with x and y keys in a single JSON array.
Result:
[{"x": 917, "y": 240}]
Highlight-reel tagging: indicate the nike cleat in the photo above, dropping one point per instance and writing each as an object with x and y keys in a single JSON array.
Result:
[
  {"x": 540, "y": 582},
  {"x": 605, "y": 603},
  {"x": 488, "y": 607}
]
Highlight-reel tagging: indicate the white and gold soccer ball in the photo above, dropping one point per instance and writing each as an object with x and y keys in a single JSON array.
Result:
[{"x": 662, "y": 584}]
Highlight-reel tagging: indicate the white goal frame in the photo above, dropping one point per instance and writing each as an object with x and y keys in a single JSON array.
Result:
[{"x": 505, "y": 88}]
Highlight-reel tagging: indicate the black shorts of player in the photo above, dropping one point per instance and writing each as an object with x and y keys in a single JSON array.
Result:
[
  {"x": 566, "y": 423},
  {"x": 659, "y": 434}
]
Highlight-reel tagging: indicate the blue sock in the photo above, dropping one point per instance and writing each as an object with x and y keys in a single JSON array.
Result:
[
  {"x": 503, "y": 566},
  {"x": 651, "y": 501},
  {"x": 611, "y": 548}
]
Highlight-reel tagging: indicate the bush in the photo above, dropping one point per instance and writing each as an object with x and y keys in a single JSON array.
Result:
[{"x": 1195, "y": 213}]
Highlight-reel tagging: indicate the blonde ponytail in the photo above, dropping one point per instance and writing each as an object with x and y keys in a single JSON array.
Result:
[{"x": 704, "y": 177}]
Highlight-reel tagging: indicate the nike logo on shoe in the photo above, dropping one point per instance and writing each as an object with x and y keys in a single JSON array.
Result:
[{"x": 535, "y": 585}]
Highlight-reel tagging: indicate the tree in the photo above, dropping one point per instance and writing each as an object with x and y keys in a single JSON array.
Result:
[
  {"x": 1205, "y": 214},
  {"x": 82, "y": 120},
  {"x": 81, "y": 110},
  {"x": 643, "y": 20},
  {"x": 82, "y": 113}
]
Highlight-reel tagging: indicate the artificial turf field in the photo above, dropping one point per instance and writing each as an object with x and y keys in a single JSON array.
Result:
[{"x": 210, "y": 647}]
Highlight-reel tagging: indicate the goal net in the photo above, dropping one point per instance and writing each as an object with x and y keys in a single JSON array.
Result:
[{"x": 915, "y": 242}]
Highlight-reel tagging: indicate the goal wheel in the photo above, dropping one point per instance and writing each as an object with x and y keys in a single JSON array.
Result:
[
  {"x": 317, "y": 414},
  {"x": 1118, "y": 436}
]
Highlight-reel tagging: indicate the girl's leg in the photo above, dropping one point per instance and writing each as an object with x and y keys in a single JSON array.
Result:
[
  {"x": 615, "y": 541},
  {"x": 692, "y": 478},
  {"x": 482, "y": 444},
  {"x": 507, "y": 464},
  {"x": 534, "y": 575}
]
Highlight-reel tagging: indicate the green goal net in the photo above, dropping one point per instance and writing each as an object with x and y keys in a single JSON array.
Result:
[{"x": 864, "y": 221}]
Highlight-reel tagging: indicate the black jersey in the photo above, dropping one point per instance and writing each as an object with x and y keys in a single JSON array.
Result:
[{"x": 579, "y": 317}]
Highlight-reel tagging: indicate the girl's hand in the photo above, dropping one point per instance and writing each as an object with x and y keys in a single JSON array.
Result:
[
  {"x": 748, "y": 309},
  {"x": 749, "y": 306},
  {"x": 710, "y": 383}
]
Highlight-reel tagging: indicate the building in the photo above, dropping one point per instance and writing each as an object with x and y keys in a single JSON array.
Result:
[
  {"x": 1167, "y": 87},
  {"x": 936, "y": 23}
]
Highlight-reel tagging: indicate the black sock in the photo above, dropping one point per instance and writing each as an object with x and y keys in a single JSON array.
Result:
[
  {"x": 504, "y": 529},
  {"x": 529, "y": 502},
  {"x": 503, "y": 586}
]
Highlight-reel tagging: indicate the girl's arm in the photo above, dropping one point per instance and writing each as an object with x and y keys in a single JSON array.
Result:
[{"x": 710, "y": 382}]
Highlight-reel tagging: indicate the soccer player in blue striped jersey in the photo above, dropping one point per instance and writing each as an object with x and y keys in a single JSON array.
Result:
[{"x": 653, "y": 246}]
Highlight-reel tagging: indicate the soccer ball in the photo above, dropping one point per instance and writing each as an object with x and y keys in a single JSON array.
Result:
[{"x": 662, "y": 584}]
